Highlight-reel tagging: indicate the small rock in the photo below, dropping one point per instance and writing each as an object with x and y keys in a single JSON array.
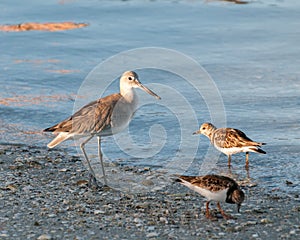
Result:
[
  {"x": 152, "y": 234},
  {"x": 238, "y": 228},
  {"x": 107, "y": 206},
  {"x": 82, "y": 183},
  {"x": 44, "y": 237},
  {"x": 147, "y": 183},
  {"x": 251, "y": 185},
  {"x": 57, "y": 160},
  {"x": 143, "y": 205},
  {"x": 266, "y": 220},
  {"x": 11, "y": 187},
  {"x": 150, "y": 228},
  {"x": 137, "y": 220},
  {"x": 251, "y": 222},
  {"x": 63, "y": 170},
  {"x": 99, "y": 212},
  {"x": 157, "y": 188},
  {"x": 163, "y": 219}
]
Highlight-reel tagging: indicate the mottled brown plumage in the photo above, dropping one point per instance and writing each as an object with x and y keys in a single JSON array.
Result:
[
  {"x": 211, "y": 182},
  {"x": 230, "y": 141},
  {"x": 103, "y": 117},
  {"x": 217, "y": 188}
]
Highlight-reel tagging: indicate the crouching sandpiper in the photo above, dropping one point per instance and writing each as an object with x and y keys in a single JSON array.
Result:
[{"x": 215, "y": 188}]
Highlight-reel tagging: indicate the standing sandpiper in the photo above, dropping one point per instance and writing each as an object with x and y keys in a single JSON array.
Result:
[
  {"x": 230, "y": 141},
  {"x": 103, "y": 117}
]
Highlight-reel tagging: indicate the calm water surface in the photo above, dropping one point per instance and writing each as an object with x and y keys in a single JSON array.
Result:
[{"x": 251, "y": 51}]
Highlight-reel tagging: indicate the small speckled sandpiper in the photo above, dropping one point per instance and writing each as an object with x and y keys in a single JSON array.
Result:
[
  {"x": 216, "y": 188},
  {"x": 230, "y": 141},
  {"x": 103, "y": 117}
]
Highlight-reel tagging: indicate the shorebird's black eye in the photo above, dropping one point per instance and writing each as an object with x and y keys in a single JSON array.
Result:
[
  {"x": 130, "y": 78},
  {"x": 203, "y": 128}
]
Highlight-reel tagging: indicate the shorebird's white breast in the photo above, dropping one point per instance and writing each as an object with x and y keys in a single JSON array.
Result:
[
  {"x": 234, "y": 150},
  {"x": 121, "y": 116},
  {"x": 219, "y": 196},
  {"x": 229, "y": 151}
]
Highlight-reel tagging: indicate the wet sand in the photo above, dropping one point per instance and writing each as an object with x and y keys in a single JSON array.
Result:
[{"x": 44, "y": 195}]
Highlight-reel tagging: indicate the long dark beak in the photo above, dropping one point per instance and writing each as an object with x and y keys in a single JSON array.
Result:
[
  {"x": 147, "y": 90},
  {"x": 238, "y": 207},
  {"x": 197, "y": 132}
]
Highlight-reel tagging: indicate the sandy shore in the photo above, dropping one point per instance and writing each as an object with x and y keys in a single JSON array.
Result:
[{"x": 44, "y": 195}]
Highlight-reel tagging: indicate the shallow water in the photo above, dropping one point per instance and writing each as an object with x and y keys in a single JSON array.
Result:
[{"x": 251, "y": 51}]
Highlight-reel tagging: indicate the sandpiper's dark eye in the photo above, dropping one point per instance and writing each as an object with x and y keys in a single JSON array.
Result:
[
  {"x": 203, "y": 128},
  {"x": 130, "y": 78}
]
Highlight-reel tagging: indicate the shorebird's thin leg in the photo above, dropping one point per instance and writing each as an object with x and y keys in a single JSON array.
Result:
[
  {"x": 229, "y": 171},
  {"x": 248, "y": 174},
  {"x": 229, "y": 161},
  {"x": 223, "y": 213},
  {"x": 82, "y": 145},
  {"x": 207, "y": 213},
  {"x": 247, "y": 160},
  {"x": 101, "y": 160}
]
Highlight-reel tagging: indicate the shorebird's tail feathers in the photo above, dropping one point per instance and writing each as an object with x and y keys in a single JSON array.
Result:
[
  {"x": 50, "y": 129},
  {"x": 58, "y": 139},
  {"x": 257, "y": 150},
  {"x": 257, "y": 144},
  {"x": 178, "y": 180},
  {"x": 184, "y": 182}
]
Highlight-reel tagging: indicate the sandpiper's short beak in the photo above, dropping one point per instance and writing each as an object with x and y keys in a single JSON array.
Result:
[
  {"x": 147, "y": 90},
  {"x": 238, "y": 207},
  {"x": 197, "y": 132}
]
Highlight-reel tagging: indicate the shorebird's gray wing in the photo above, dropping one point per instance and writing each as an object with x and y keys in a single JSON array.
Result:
[{"x": 92, "y": 118}]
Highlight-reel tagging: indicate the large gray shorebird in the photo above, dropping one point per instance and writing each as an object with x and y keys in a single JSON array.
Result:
[
  {"x": 103, "y": 117},
  {"x": 230, "y": 141}
]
